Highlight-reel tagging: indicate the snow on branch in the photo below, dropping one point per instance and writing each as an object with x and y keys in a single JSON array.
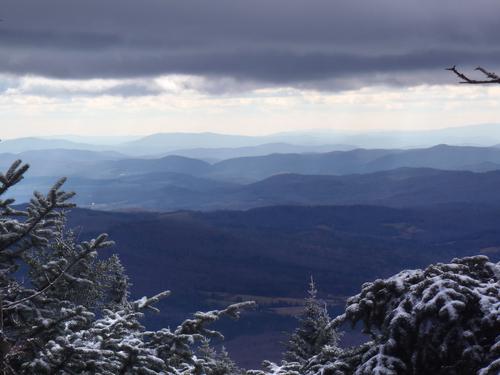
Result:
[
  {"x": 88, "y": 248},
  {"x": 201, "y": 319},
  {"x": 146, "y": 302}
]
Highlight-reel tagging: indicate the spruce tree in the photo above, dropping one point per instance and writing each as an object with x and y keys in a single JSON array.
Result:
[
  {"x": 217, "y": 362},
  {"x": 314, "y": 331},
  {"x": 94, "y": 282},
  {"x": 441, "y": 320}
]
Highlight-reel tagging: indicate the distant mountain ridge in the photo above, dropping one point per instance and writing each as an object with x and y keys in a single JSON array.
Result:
[
  {"x": 101, "y": 164},
  {"x": 403, "y": 187},
  {"x": 20, "y": 145},
  {"x": 107, "y": 180},
  {"x": 58, "y": 162},
  {"x": 127, "y": 167},
  {"x": 358, "y": 161},
  {"x": 252, "y": 169},
  {"x": 159, "y": 144},
  {"x": 219, "y": 154}
]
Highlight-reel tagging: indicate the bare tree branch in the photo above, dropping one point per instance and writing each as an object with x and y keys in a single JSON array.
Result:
[{"x": 492, "y": 77}]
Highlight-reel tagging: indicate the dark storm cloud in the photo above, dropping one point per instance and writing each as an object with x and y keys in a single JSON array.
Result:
[
  {"x": 50, "y": 39},
  {"x": 314, "y": 43}
]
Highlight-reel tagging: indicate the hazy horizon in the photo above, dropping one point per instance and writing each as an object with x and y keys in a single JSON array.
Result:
[{"x": 124, "y": 137}]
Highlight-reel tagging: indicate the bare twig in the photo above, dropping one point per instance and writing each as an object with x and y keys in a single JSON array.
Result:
[{"x": 492, "y": 77}]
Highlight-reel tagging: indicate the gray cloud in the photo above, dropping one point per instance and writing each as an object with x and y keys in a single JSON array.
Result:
[
  {"x": 125, "y": 90},
  {"x": 65, "y": 89},
  {"x": 326, "y": 44}
]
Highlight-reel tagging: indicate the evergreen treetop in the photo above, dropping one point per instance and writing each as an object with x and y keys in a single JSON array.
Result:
[{"x": 314, "y": 331}]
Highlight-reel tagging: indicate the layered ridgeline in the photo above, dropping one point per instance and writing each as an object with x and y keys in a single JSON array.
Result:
[
  {"x": 223, "y": 146},
  {"x": 92, "y": 164},
  {"x": 66, "y": 310},
  {"x": 441, "y": 174}
]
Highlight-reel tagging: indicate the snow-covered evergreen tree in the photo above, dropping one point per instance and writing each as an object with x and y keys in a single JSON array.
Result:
[
  {"x": 67, "y": 310},
  {"x": 312, "y": 338},
  {"x": 118, "y": 344},
  {"x": 29, "y": 316},
  {"x": 93, "y": 281},
  {"x": 314, "y": 331},
  {"x": 441, "y": 320},
  {"x": 217, "y": 362}
]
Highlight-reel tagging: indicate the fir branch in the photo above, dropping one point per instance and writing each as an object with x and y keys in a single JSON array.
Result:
[{"x": 99, "y": 242}]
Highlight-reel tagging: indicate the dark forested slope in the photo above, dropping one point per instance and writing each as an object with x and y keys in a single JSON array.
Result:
[
  {"x": 268, "y": 254},
  {"x": 272, "y": 250}
]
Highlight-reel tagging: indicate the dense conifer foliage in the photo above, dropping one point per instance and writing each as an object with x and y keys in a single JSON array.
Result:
[
  {"x": 64, "y": 310},
  {"x": 217, "y": 362},
  {"x": 314, "y": 331},
  {"x": 315, "y": 335},
  {"x": 441, "y": 320}
]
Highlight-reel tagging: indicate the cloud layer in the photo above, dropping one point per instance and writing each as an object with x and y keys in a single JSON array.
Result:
[{"x": 319, "y": 44}]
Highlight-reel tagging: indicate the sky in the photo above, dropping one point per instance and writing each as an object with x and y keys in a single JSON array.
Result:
[{"x": 128, "y": 67}]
